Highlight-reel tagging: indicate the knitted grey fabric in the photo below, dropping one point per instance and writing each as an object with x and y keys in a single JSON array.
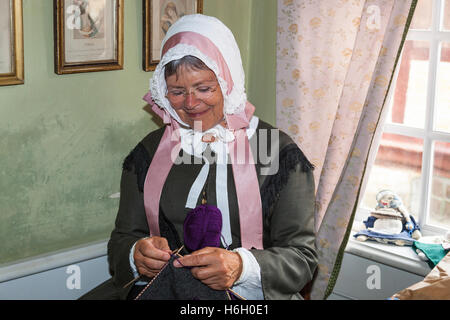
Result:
[{"x": 178, "y": 284}]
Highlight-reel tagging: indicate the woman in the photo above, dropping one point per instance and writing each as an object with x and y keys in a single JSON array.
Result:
[{"x": 213, "y": 149}]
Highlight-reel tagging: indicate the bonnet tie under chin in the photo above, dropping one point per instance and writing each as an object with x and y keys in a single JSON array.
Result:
[
  {"x": 244, "y": 173},
  {"x": 195, "y": 143}
]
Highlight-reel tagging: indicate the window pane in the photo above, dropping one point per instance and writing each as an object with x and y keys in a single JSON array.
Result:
[
  {"x": 397, "y": 167},
  {"x": 440, "y": 189},
  {"x": 422, "y": 15},
  {"x": 410, "y": 95},
  {"x": 446, "y": 20},
  {"x": 442, "y": 119}
]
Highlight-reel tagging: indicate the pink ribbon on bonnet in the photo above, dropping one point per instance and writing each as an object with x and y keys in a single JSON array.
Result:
[{"x": 243, "y": 165}]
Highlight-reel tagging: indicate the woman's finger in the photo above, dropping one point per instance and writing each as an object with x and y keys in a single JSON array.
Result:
[
  {"x": 193, "y": 260},
  {"x": 150, "y": 255},
  {"x": 202, "y": 257},
  {"x": 154, "y": 248},
  {"x": 152, "y": 264},
  {"x": 160, "y": 243},
  {"x": 203, "y": 273}
]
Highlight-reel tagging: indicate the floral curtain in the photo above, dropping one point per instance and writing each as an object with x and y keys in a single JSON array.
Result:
[{"x": 335, "y": 62}]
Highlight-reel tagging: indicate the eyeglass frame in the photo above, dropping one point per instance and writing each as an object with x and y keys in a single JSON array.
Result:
[{"x": 188, "y": 93}]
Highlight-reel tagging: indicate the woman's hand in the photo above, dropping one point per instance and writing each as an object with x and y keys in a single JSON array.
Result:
[
  {"x": 217, "y": 268},
  {"x": 150, "y": 255}
]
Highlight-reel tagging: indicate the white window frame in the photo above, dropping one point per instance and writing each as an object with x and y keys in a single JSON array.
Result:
[{"x": 435, "y": 37}]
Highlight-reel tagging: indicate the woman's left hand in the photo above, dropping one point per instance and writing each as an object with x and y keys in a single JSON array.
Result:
[{"x": 217, "y": 268}]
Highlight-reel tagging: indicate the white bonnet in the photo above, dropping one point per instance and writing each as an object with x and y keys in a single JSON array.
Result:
[{"x": 208, "y": 39}]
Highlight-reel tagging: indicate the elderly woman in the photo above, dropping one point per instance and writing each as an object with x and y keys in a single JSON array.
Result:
[{"x": 212, "y": 150}]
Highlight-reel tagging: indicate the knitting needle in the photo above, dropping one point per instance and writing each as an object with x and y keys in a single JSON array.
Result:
[
  {"x": 132, "y": 281},
  {"x": 178, "y": 250},
  {"x": 139, "y": 276}
]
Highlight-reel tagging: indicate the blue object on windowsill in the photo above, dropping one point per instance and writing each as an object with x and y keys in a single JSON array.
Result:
[{"x": 402, "y": 238}]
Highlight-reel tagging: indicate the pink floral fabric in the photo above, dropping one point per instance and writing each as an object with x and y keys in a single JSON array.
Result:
[{"x": 335, "y": 60}]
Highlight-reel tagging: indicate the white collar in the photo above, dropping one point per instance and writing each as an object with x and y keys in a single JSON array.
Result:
[{"x": 191, "y": 141}]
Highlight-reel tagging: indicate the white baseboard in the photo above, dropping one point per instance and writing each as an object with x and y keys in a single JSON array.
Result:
[
  {"x": 64, "y": 275},
  {"x": 51, "y": 261}
]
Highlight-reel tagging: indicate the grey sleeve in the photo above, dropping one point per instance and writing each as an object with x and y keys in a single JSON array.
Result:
[
  {"x": 289, "y": 258},
  {"x": 130, "y": 226}
]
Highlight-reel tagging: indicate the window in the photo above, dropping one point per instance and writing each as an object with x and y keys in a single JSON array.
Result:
[{"x": 413, "y": 158}]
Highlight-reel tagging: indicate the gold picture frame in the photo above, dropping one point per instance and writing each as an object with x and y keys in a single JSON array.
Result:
[
  {"x": 88, "y": 35},
  {"x": 11, "y": 43},
  {"x": 158, "y": 15}
]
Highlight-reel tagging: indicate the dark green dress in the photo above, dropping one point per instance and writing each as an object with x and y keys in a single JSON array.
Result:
[{"x": 289, "y": 258}]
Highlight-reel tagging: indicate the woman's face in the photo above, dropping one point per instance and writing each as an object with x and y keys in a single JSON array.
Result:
[{"x": 196, "y": 97}]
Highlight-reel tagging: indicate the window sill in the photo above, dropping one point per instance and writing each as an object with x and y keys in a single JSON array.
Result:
[{"x": 403, "y": 258}]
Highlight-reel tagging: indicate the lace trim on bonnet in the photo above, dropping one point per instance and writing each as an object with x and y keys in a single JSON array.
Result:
[{"x": 235, "y": 101}]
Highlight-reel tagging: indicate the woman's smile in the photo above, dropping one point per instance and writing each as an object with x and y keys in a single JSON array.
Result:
[{"x": 197, "y": 114}]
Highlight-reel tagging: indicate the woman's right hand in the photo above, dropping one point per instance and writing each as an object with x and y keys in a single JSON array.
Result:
[{"x": 150, "y": 255}]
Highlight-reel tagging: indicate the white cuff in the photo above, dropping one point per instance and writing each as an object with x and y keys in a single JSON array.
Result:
[
  {"x": 133, "y": 266},
  {"x": 249, "y": 283}
]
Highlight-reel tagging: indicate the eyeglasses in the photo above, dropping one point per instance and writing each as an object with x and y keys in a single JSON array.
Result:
[{"x": 203, "y": 92}]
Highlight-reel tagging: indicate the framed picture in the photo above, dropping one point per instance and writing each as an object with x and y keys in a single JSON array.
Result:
[
  {"x": 159, "y": 15},
  {"x": 88, "y": 35},
  {"x": 11, "y": 42}
]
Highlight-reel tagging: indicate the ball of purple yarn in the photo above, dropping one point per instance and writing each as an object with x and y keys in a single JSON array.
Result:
[{"x": 202, "y": 227}]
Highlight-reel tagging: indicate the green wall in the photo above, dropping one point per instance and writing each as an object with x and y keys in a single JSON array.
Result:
[
  {"x": 261, "y": 73},
  {"x": 63, "y": 138},
  {"x": 254, "y": 24}
]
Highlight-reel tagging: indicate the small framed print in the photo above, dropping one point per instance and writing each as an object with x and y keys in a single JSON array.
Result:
[
  {"x": 159, "y": 15},
  {"x": 11, "y": 43},
  {"x": 88, "y": 35}
]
